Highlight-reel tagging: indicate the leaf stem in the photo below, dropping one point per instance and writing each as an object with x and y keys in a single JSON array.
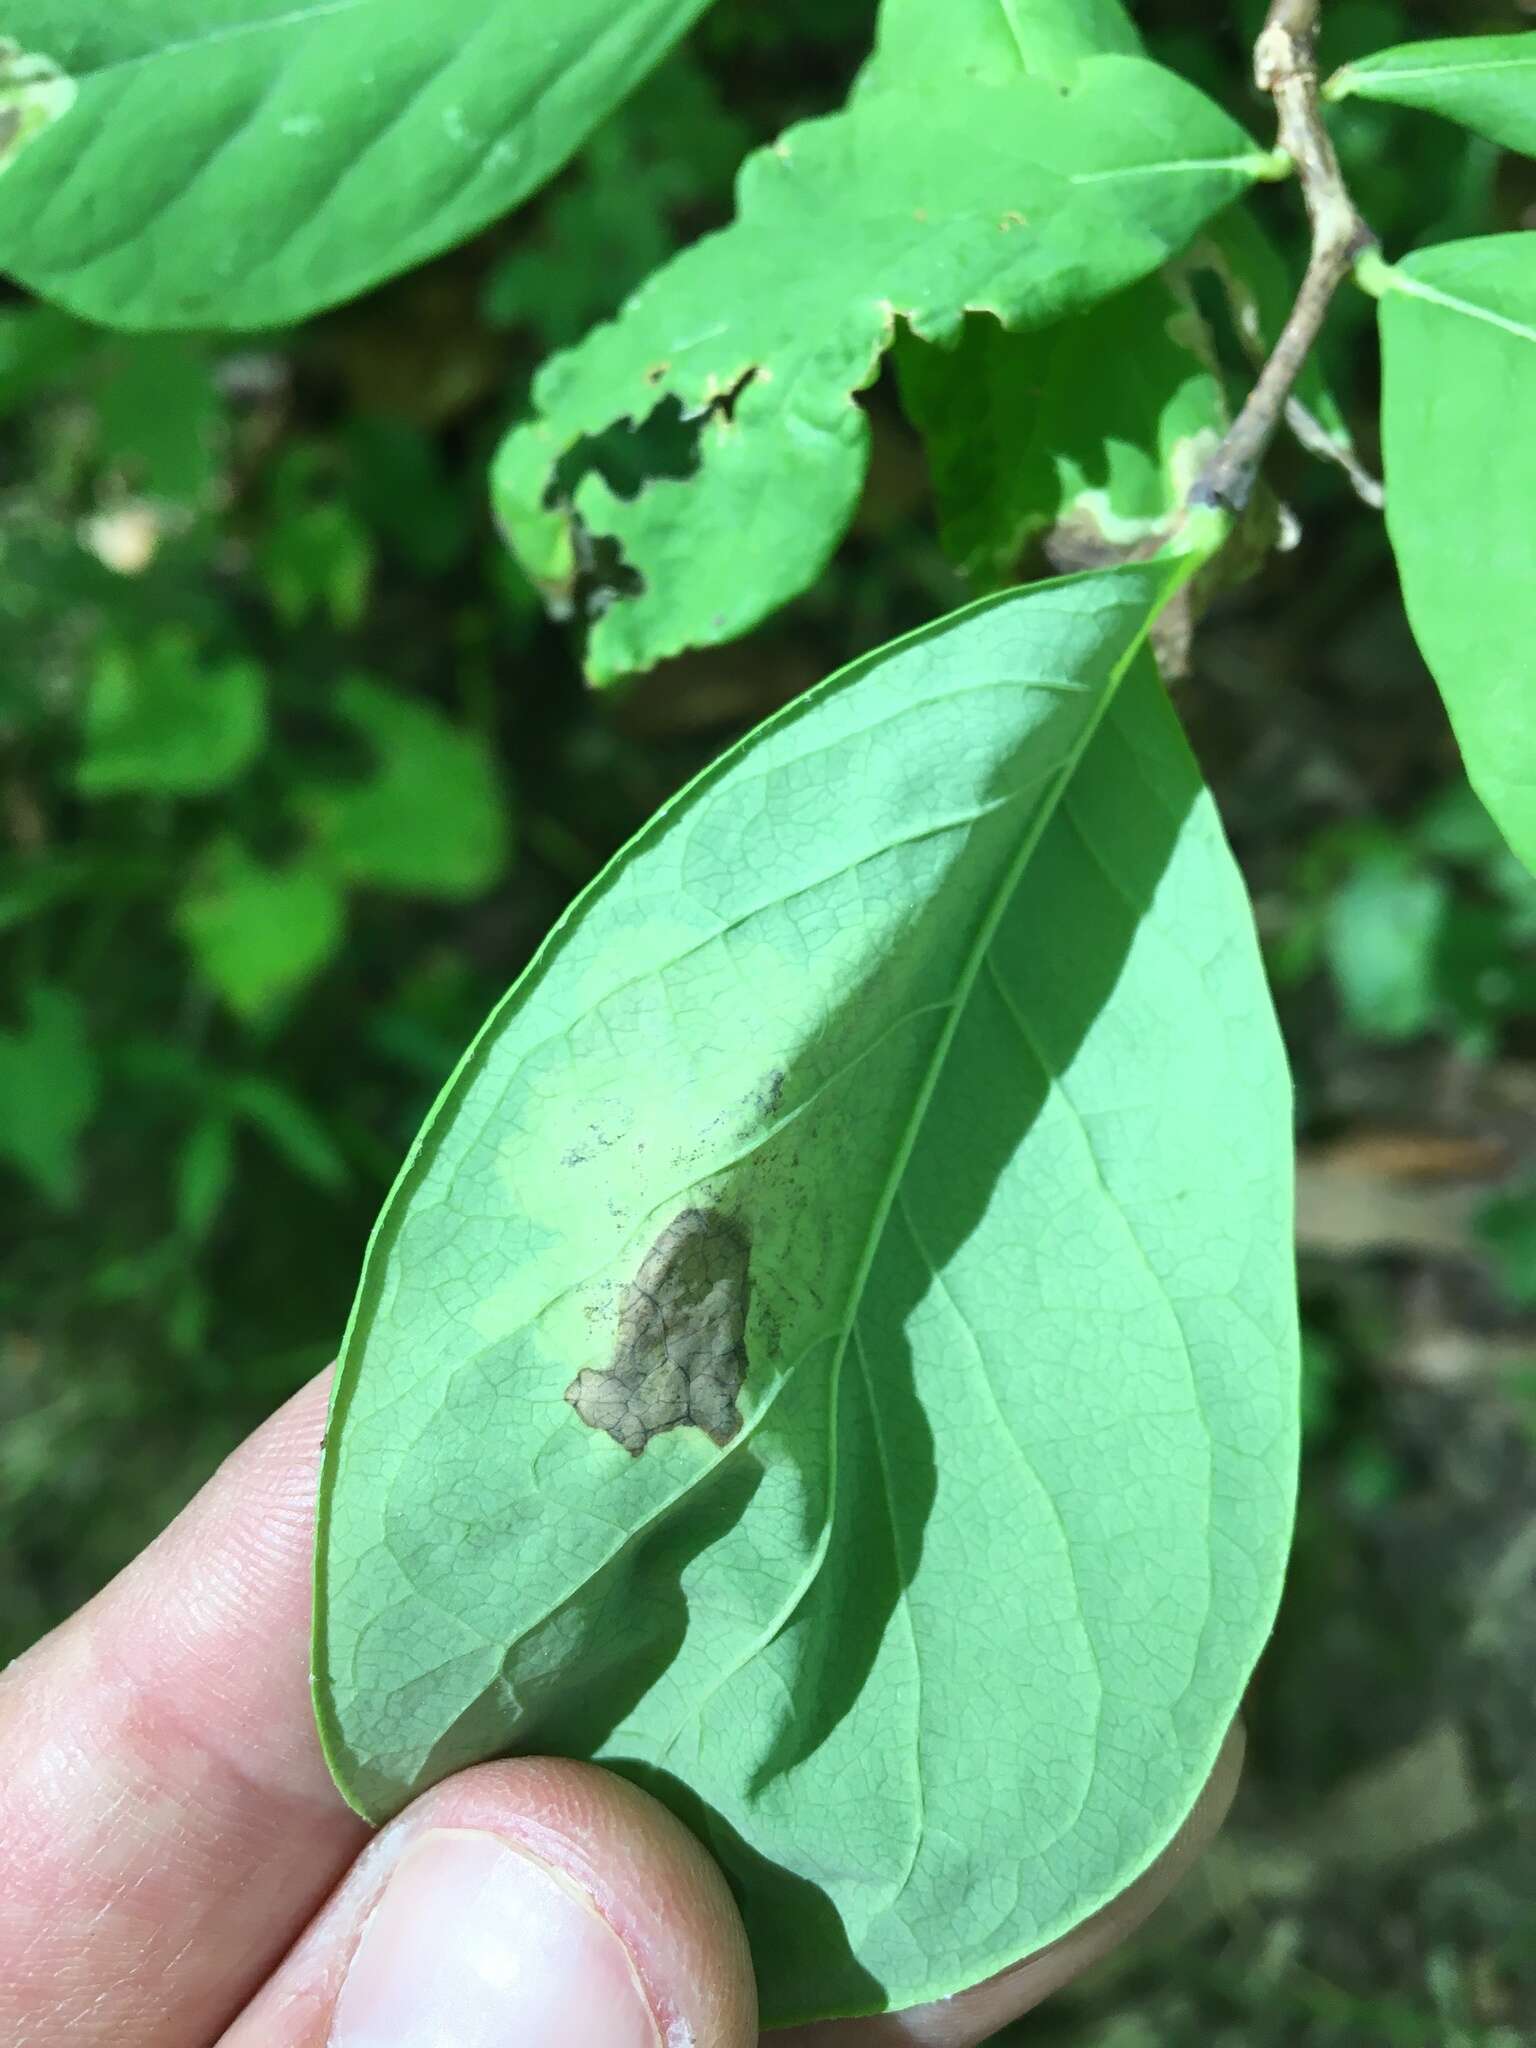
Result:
[{"x": 1285, "y": 67}]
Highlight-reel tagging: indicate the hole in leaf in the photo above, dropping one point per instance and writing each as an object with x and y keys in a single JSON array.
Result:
[{"x": 633, "y": 453}]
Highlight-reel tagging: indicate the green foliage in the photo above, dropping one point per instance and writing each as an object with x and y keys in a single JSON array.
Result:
[
  {"x": 258, "y": 932},
  {"x": 918, "y": 203},
  {"x": 210, "y": 163},
  {"x": 976, "y": 39},
  {"x": 49, "y": 1084},
  {"x": 1488, "y": 83},
  {"x": 431, "y": 818},
  {"x": 158, "y": 719},
  {"x": 1025, "y": 436},
  {"x": 1382, "y": 934},
  {"x": 676, "y": 144},
  {"x": 822, "y": 1009},
  {"x": 1458, "y": 330}
]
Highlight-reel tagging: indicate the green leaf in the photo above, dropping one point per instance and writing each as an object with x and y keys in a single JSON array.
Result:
[
  {"x": 1487, "y": 83},
  {"x": 242, "y": 163},
  {"x": 293, "y": 1131},
  {"x": 259, "y": 933},
  {"x": 159, "y": 718},
  {"x": 1026, "y": 200},
  {"x": 317, "y": 557},
  {"x": 1030, "y": 433},
  {"x": 1381, "y": 933},
  {"x": 673, "y": 146},
  {"x": 431, "y": 819},
  {"x": 204, "y": 1170},
  {"x": 994, "y": 40},
  {"x": 917, "y": 1060},
  {"x": 1458, "y": 331},
  {"x": 49, "y": 1084}
]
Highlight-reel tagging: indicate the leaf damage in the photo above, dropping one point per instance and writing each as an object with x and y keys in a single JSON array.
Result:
[{"x": 679, "y": 1354}]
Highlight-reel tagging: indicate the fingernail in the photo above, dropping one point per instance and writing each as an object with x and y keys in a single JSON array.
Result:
[{"x": 476, "y": 1945}]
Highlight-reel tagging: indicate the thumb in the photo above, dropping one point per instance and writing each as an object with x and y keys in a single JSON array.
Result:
[{"x": 534, "y": 1901}]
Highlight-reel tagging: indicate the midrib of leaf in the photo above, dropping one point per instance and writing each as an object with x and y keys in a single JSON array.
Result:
[
  {"x": 965, "y": 984},
  {"x": 1415, "y": 288},
  {"x": 1256, "y": 161},
  {"x": 1355, "y": 77},
  {"x": 1179, "y": 572},
  {"x": 890, "y": 1190}
]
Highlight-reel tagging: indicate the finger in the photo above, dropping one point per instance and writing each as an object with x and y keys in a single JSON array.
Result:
[
  {"x": 977, "y": 2014},
  {"x": 533, "y": 1901},
  {"x": 167, "y": 1822}
]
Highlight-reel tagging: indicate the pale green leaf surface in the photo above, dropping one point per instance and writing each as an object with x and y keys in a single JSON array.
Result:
[
  {"x": 938, "y": 998},
  {"x": 1487, "y": 83},
  {"x": 431, "y": 817},
  {"x": 160, "y": 718},
  {"x": 242, "y": 163},
  {"x": 258, "y": 933},
  {"x": 1024, "y": 199},
  {"x": 1458, "y": 330},
  {"x": 1094, "y": 428},
  {"x": 49, "y": 1086}
]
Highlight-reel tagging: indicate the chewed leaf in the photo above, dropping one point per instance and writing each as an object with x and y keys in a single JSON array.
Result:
[
  {"x": 242, "y": 163},
  {"x": 1458, "y": 418},
  {"x": 1021, "y": 198},
  {"x": 831, "y": 1352}
]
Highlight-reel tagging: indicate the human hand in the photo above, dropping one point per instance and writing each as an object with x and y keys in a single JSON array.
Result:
[{"x": 176, "y": 1867}]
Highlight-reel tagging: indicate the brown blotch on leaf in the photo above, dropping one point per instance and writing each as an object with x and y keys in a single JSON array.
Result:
[{"x": 679, "y": 1354}]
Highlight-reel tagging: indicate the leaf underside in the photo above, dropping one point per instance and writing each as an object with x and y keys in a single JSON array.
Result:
[
  {"x": 831, "y": 1352},
  {"x": 1458, "y": 329},
  {"x": 243, "y": 163}
]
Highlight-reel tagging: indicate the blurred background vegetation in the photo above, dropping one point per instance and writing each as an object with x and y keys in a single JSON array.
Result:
[{"x": 294, "y": 775}]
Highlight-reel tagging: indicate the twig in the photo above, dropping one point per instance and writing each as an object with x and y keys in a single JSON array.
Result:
[
  {"x": 1316, "y": 439},
  {"x": 1285, "y": 66}
]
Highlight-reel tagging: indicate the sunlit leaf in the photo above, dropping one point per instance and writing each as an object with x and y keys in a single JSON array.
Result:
[
  {"x": 242, "y": 163},
  {"x": 1487, "y": 83},
  {"x": 921, "y": 201},
  {"x": 831, "y": 1353},
  {"x": 1458, "y": 330},
  {"x": 995, "y": 40}
]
